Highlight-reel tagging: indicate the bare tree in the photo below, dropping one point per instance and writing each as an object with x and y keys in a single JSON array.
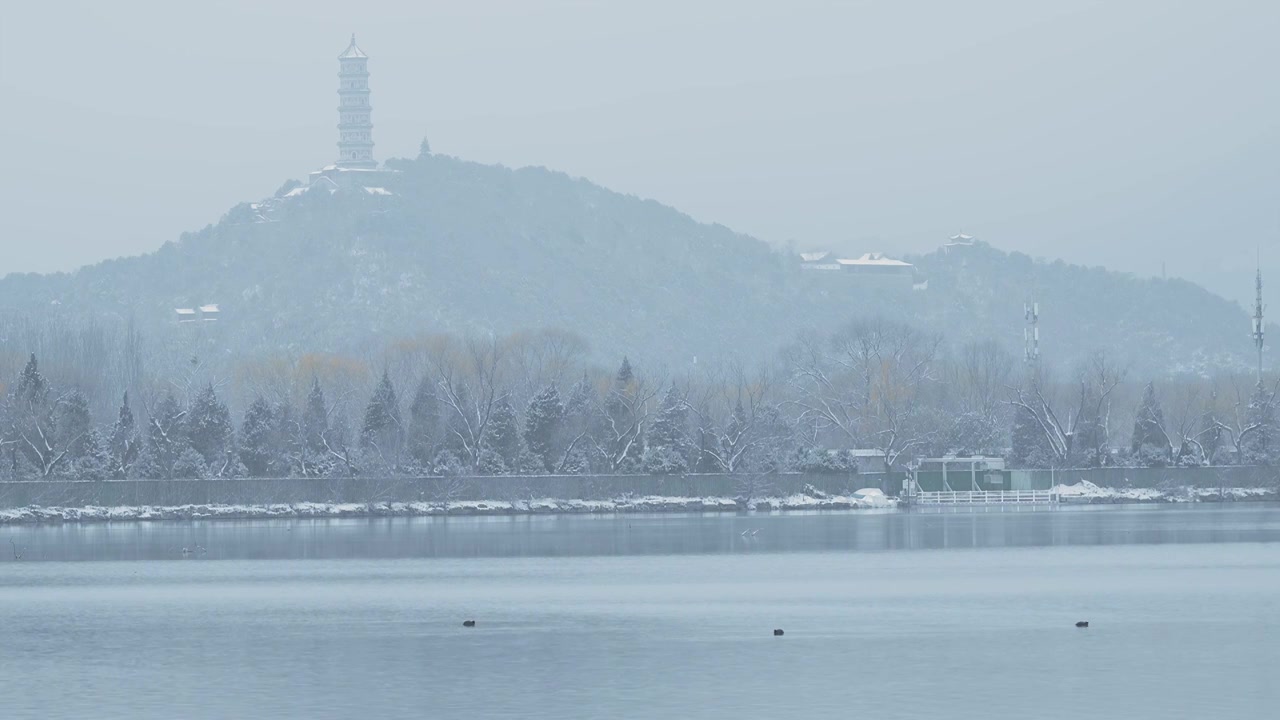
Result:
[
  {"x": 469, "y": 379},
  {"x": 1086, "y": 427},
  {"x": 735, "y": 411},
  {"x": 864, "y": 384},
  {"x": 623, "y": 416},
  {"x": 1240, "y": 424},
  {"x": 981, "y": 375}
]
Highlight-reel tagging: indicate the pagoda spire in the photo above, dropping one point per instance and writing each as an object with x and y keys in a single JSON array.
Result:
[{"x": 355, "y": 128}]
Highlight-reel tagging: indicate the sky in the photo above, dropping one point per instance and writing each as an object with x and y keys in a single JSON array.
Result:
[{"x": 1141, "y": 136}]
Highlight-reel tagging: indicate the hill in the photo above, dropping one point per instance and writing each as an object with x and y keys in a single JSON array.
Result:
[{"x": 454, "y": 246}]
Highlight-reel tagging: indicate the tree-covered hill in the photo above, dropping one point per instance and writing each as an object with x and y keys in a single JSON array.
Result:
[{"x": 462, "y": 247}]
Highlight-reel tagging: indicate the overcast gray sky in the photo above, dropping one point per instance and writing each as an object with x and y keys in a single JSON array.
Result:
[{"x": 1117, "y": 133}]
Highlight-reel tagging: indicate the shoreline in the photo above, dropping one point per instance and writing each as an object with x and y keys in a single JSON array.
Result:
[
  {"x": 1078, "y": 494},
  {"x": 37, "y": 514}
]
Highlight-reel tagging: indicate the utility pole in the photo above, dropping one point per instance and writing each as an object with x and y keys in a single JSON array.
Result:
[{"x": 1257, "y": 319}]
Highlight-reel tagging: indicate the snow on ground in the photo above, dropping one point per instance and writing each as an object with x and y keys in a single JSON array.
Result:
[
  {"x": 39, "y": 514},
  {"x": 1083, "y": 492},
  {"x": 1087, "y": 492}
]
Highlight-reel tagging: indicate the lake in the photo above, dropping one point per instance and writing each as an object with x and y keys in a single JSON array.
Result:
[{"x": 886, "y": 615}]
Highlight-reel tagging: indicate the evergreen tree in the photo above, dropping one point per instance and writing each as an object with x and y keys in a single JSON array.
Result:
[
  {"x": 502, "y": 433},
  {"x": 73, "y": 424},
  {"x": 669, "y": 447},
  {"x": 1210, "y": 437},
  {"x": 625, "y": 438},
  {"x": 775, "y": 446},
  {"x": 970, "y": 434},
  {"x": 578, "y": 443},
  {"x": 1089, "y": 442},
  {"x": 33, "y": 425},
  {"x": 382, "y": 430},
  {"x": 544, "y": 427},
  {"x": 1031, "y": 448},
  {"x": 287, "y": 441},
  {"x": 166, "y": 438},
  {"x": 1150, "y": 445},
  {"x": 257, "y": 432},
  {"x": 190, "y": 465},
  {"x": 315, "y": 418},
  {"x": 97, "y": 462},
  {"x": 32, "y": 388},
  {"x": 208, "y": 427},
  {"x": 424, "y": 424},
  {"x": 625, "y": 376},
  {"x": 123, "y": 445},
  {"x": 1261, "y": 445}
]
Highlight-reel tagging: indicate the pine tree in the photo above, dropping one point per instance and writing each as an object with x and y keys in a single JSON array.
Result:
[
  {"x": 669, "y": 447},
  {"x": 287, "y": 441},
  {"x": 544, "y": 427},
  {"x": 208, "y": 427},
  {"x": 124, "y": 440},
  {"x": 166, "y": 439},
  {"x": 580, "y": 425},
  {"x": 624, "y": 435},
  {"x": 315, "y": 418},
  {"x": 33, "y": 424},
  {"x": 73, "y": 424},
  {"x": 256, "y": 439},
  {"x": 1031, "y": 448},
  {"x": 971, "y": 433},
  {"x": 32, "y": 388},
  {"x": 190, "y": 465},
  {"x": 382, "y": 430},
  {"x": 424, "y": 424},
  {"x": 1150, "y": 445},
  {"x": 625, "y": 376},
  {"x": 502, "y": 433},
  {"x": 1261, "y": 445},
  {"x": 97, "y": 462}
]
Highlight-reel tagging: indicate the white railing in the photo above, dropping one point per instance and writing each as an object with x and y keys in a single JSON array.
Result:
[{"x": 986, "y": 497}]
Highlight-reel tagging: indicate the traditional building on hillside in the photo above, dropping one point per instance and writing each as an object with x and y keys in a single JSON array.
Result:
[
  {"x": 355, "y": 166},
  {"x": 818, "y": 261},
  {"x": 355, "y": 126},
  {"x": 874, "y": 269}
]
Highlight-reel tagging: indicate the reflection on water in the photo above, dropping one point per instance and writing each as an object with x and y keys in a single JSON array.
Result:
[
  {"x": 888, "y": 616},
  {"x": 584, "y": 535}
]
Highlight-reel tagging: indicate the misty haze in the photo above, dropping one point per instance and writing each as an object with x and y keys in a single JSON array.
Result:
[{"x": 572, "y": 359}]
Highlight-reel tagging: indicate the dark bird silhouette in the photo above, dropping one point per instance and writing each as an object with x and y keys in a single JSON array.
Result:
[
  {"x": 468, "y": 623},
  {"x": 1083, "y": 623},
  {"x": 777, "y": 632}
]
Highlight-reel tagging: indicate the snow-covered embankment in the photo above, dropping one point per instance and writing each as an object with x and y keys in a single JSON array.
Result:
[{"x": 40, "y": 514}]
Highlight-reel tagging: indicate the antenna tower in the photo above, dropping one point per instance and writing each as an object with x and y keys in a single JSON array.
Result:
[
  {"x": 1258, "y": 334},
  {"x": 1031, "y": 333}
]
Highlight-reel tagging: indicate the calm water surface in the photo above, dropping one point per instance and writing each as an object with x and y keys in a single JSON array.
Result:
[{"x": 955, "y": 615}]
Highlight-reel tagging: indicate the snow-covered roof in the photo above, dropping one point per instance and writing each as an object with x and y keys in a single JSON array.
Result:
[
  {"x": 873, "y": 259},
  {"x": 378, "y": 191},
  {"x": 961, "y": 237},
  {"x": 209, "y": 309},
  {"x": 352, "y": 50},
  {"x": 295, "y": 192},
  {"x": 184, "y": 311},
  {"x": 814, "y": 256},
  {"x": 860, "y": 452},
  {"x": 326, "y": 184}
]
